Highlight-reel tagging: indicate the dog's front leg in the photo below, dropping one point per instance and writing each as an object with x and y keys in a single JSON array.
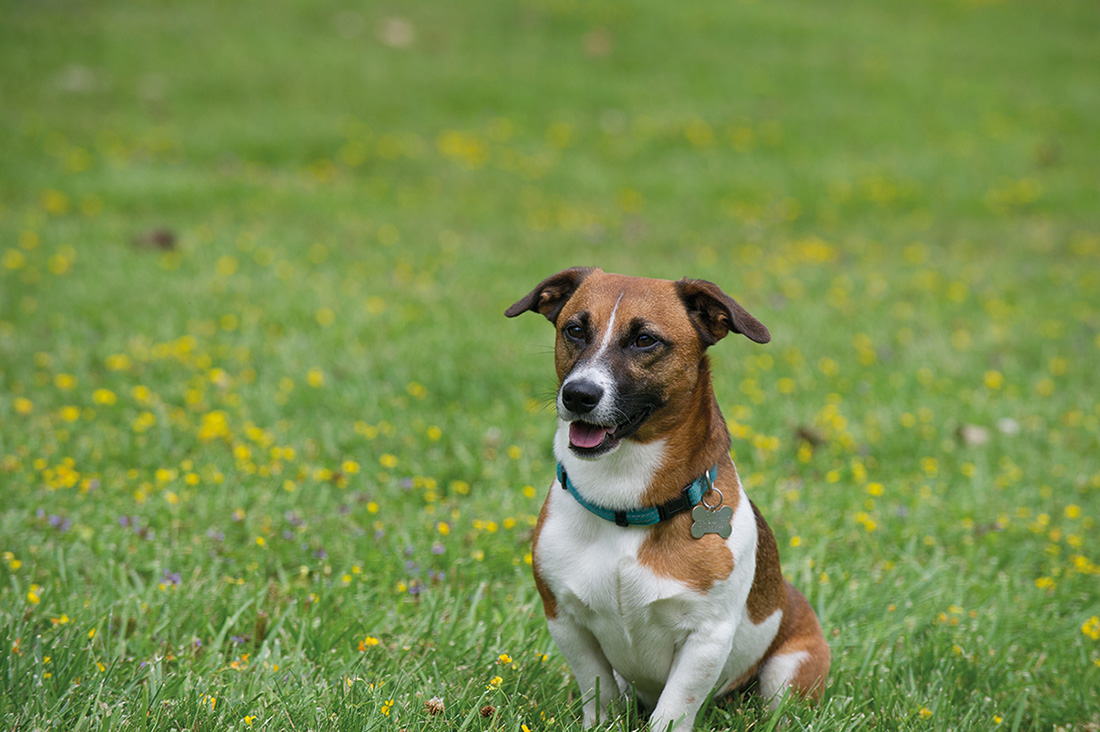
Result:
[
  {"x": 695, "y": 671},
  {"x": 590, "y": 667}
]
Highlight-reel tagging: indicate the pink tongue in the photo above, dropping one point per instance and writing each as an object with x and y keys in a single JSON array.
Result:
[{"x": 586, "y": 435}]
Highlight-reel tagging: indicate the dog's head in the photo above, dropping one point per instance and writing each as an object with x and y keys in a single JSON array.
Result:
[{"x": 630, "y": 351}]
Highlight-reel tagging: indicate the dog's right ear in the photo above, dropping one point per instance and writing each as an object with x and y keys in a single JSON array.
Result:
[{"x": 550, "y": 296}]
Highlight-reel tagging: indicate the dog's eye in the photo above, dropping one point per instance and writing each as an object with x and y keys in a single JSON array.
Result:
[
  {"x": 645, "y": 342},
  {"x": 574, "y": 332}
]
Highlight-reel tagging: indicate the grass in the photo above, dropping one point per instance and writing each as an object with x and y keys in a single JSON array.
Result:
[{"x": 281, "y": 473}]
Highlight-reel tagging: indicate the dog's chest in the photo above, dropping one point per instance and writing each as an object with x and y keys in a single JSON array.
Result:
[{"x": 592, "y": 566}]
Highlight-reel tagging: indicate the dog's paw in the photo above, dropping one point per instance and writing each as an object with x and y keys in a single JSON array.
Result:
[{"x": 661, "y": 723}]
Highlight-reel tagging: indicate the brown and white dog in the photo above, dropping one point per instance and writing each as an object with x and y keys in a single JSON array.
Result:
[{"x": 648, "y": 585}]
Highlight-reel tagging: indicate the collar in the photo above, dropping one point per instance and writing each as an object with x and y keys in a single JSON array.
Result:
[{"x": 688, "y": 498}]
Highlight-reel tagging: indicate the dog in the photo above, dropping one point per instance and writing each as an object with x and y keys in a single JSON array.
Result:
[{"x": 657, "y": 575}]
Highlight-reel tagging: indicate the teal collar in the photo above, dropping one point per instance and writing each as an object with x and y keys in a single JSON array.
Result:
[{"x": 688, "y": 498}]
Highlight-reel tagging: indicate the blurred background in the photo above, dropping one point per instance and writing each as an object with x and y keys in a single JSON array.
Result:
[{"x": 254, "y": 258}]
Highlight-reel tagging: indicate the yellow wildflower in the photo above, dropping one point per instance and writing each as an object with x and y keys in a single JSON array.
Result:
[
  {"x": 1091, "y": 628},
  {"x": 65, "y": 382},
  {"x": 993, "y": 380},
  {"x": 105, "y": 397}
]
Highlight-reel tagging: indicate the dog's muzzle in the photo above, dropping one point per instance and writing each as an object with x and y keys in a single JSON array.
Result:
[{"x": 596, "y": 427}]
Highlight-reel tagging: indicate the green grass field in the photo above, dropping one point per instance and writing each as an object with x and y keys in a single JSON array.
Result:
[{"x": 276, "y": 466}]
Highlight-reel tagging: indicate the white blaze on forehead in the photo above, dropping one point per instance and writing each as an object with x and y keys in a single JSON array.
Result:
[
  {"x": 610, "y": 327},
  {"x": 595, "y": 371}
]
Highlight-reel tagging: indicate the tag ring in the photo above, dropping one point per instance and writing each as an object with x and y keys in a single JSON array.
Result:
[{"x": 710, "y": 487}]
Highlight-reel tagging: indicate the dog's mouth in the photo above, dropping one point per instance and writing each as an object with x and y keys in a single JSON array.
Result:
[{"x": 592, "y": 440}]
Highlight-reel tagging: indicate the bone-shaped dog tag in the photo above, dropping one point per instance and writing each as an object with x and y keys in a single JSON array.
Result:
[{"x": 711, "y": 521}]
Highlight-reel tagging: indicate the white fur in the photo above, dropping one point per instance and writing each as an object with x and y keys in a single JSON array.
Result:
[
  {"x": 776, "y": 675},
  {"x": 603, "y": 412},
  {"x": 618, "y": 623},
  {"x": 615, "y": 480}
]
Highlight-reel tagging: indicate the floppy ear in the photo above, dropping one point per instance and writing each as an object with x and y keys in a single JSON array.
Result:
[
  {"x": 550, "y": 296},
  {"x": 715, "y": 314}
]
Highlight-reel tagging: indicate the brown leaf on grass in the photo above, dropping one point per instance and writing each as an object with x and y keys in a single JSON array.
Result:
[
  {"x": 259, "y": 633},
  {"x": 598, "y": 43},
  {"x": 806, "y": 433},
  {"x": 991, "y": 527},
  {"x": 1046, "y": 154},
  {"x": 160, "y": 238}
]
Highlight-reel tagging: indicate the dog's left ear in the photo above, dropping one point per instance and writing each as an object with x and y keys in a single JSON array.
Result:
[
  {"x": 550, "y": 295},
  {"x": 715, "y": 314}
]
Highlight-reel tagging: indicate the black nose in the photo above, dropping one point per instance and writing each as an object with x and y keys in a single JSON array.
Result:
[{"x": 581, "y": 397}]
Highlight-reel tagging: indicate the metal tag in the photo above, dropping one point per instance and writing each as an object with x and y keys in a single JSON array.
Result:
[{"x": 718, "y": 520}]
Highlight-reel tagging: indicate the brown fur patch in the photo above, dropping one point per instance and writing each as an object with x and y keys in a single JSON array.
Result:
[
  {"x": 671, "y": 551},
  {"x": 549, "y": 602},
  {"x": 799, "y": 630},
  {"x": 767, "y": 594}
]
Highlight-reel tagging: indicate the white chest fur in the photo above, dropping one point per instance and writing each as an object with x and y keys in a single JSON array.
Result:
[
  {"x": 639, "y": 619},
  {"x": 615, "y": 481}
]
